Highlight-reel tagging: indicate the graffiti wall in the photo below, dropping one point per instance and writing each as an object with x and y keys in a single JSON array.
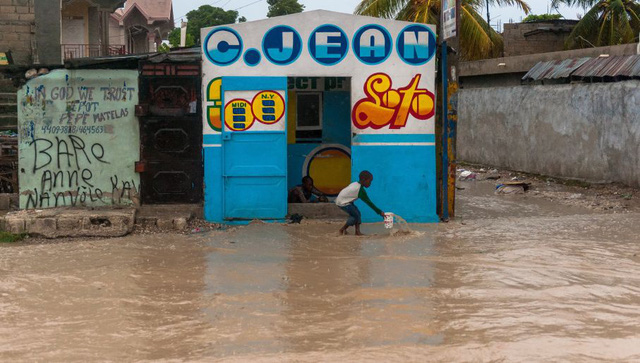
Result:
[
  {"x": 79, "y": 139},
  {"x": 390, "y": 68}
]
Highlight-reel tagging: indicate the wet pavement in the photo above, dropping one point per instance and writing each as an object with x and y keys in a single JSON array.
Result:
[{"x": 513, "y": 279}]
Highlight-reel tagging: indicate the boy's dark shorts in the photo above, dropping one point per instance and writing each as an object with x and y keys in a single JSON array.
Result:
[{"x": 354, "y": 214}]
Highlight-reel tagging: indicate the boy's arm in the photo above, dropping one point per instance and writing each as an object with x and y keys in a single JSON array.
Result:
[
  {"x": 362, "y": 194},
  {"x": 303, "y": 199},
  {"x": 317, "y": 192}
]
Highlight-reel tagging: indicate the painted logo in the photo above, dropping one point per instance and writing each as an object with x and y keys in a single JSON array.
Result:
[
  {"x": 282, "y": 45},
  {"x": 416, "y": 44},
  {"x": 238, "y": 115},
  {"x": 252, "y": 57},
  {"x": 385, "y": 106},
  {"x": 372, "y": 44},
  {"x": 330, "y": 167},
  {"x": 268, "y": 107},
  {"x": 328, "y": 45},
  {"x": 214, "y": 97},
  {"x": 223, "y": 46}
]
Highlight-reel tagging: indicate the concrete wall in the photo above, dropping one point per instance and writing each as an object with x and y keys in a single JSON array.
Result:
[
  {"x": 17, "y": 25},
  {"x": 48, "y": 27},
  {"x": 79, "y": 139},
  {"x": 536, "y": 37},
  {"x": 587, "y": 131}
]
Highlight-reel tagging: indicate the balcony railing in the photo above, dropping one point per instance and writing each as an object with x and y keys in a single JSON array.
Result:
[{"x": 70, "y": 51}]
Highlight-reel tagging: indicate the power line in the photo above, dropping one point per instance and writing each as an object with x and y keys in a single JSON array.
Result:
[{"x": 244, "y": 6}]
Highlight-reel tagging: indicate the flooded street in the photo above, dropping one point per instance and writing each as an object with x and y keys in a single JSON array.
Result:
[{"x": 514, "y": 279}]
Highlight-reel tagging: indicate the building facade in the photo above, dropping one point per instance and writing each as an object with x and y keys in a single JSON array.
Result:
[{"x": 47, "y": 32}]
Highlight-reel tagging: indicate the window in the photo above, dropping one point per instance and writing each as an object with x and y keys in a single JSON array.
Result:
[{"x": 309, "y": 116}]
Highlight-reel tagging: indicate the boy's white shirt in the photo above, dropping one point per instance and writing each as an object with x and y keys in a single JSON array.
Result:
[{"x": 348, "y": 194}]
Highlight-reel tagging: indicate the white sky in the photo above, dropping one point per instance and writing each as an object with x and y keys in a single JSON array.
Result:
[{"x": 257, "y": 9}]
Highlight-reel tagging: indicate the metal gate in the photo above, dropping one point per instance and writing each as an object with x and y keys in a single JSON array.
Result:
[
  {"x": 255, "y": 157},
  {"x": 171, "y": 168}
]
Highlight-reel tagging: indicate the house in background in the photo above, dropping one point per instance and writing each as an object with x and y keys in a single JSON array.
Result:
[
  {"x": 47, "y": 32},
  {"x": 85, "y": 29},
  {"x": 141, "y": 25}
]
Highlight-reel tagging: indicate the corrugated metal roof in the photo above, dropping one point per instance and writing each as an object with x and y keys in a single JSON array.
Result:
[
  {"x": 601, "y": 67},
  {"x": 554, "y": 69}
]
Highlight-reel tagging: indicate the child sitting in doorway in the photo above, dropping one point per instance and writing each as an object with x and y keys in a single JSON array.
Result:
[
  {"x": 306, "y": 193},
  {"x": 349, "y": 195}
]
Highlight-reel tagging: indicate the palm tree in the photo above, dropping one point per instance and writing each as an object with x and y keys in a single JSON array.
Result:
[
  {"x": 478, "y": 40},
  {"x": 608, "y": 22}
]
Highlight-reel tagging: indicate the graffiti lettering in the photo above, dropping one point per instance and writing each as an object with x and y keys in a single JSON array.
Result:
[
  {"x": 71, "y": 149},
  {"x": 385, "y": 106},
  {"x": 85, "y": 93},
  {"x": 62, "y": 93},
  {"x": 110, "y": 115},
  {"x": 73, "y": 198},
  {"x": 117, "y": 93}
]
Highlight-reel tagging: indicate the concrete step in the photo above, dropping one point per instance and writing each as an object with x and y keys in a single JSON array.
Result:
[
  {"x": 317, "y": 210},
  {"x": 63, "y": 222}
]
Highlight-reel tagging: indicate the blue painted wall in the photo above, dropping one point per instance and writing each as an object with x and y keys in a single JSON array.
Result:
[{"x": 404, "y": 179}]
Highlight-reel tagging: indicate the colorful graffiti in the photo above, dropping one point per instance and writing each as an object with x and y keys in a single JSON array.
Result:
[{"x": 385, "y": 106}]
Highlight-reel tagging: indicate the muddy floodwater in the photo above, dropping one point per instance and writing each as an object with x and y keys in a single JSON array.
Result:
[{"x": 512, "y": 280}]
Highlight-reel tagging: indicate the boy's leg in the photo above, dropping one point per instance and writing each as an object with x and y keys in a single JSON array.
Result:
[
  {"x": 353, "y": 213},
  {"x": 358, "y": 222}
]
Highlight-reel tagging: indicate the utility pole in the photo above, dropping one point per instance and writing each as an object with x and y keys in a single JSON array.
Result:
[
  {"x": 450, "y": 50},
  {"x": 488, "y": 16}
]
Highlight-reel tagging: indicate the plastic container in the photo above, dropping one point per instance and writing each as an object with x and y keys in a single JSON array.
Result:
[{"x": 388, "y": 220}]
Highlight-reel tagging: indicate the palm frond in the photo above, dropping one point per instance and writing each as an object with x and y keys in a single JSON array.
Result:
[
  {"x": 586, "y": 29},
  {"x": 585, "y": 4},
  {"x": 381, "y": 8},
  {"x": 475, "y": 39},
  {"x": 523, "y": 5}
]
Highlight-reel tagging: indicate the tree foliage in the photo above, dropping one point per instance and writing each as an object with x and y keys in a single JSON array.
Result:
[
  {"x": 174, "y": 38},
  {"x": 478, "y": 40},
  {"x": 207, "y": 16},
  {"x": 283, "y": 7},
  {"x": 532, "y": 18},
  {"x": 608, "y": 22}
]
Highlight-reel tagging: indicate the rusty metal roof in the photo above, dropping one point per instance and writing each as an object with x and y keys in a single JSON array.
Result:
[
  {"x": 554, "y": 69},
  {"x": 616, "y": 67},
  {"x": 623, "y": 67}
]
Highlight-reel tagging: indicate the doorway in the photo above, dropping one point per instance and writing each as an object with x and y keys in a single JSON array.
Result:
[
  {"x": 171, "y": 168},
  {"x": 319, "y": 132}
]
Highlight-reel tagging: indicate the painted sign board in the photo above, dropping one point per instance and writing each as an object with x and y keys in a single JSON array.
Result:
[
  {"x": 78, "y": 139},
  {"x": 449, "y": 19},
  {"x": 391, "y": 68}
]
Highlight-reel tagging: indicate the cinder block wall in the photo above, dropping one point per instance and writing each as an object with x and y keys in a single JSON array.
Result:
[
  {"x": 585, "y": 131},
  {"x": 17, "y": 29},
  {"x": 538, "y": 37}
]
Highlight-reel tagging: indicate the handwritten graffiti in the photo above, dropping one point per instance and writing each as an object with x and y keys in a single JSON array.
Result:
[
  {"x": 79, "y": 140},
  {"x": 71, "y": 149},
  {"x": 385, "y": 106}
]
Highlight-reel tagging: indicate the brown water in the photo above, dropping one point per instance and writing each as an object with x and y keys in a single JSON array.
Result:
[{"x": 530, "y": 288}]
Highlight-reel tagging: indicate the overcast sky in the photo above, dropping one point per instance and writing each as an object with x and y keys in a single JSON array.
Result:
[{"x": 257, "y": 9}]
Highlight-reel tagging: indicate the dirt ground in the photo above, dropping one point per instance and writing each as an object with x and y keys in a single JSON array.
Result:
[{"x": 549, "y": 275}]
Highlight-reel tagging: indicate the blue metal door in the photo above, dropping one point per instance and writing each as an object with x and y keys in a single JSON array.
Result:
[{"x": 254, "y": 143}]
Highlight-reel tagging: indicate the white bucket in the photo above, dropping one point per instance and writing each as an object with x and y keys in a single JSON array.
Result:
[{"x": 388, "y": 220}]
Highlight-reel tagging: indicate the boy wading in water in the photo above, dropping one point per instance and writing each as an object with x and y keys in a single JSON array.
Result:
[{"x": 349, "y": 195}]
